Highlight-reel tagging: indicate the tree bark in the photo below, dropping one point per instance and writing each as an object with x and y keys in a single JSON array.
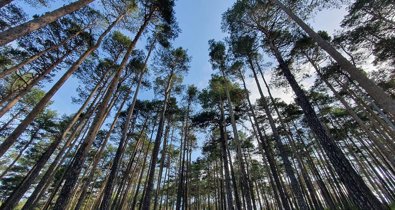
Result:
[
  {"x": 267, "y": 151},
  {"x": 109, "y": 186},
  {"x": 37, "y": 23},
  {"x": 296, "y": 188},
  {"x": 72, "y": 176},
  {"x": 154, "y": 157}
]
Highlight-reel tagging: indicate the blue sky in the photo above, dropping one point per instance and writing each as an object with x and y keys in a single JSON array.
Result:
[{"x": 200, "y": 21}]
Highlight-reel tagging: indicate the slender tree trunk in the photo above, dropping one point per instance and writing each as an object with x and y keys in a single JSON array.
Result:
[
  {"x": 154, "y": 157},
  {"x": 37, "y": 23},
  {"x": 99, "y": 153},
  {"x": 37, "y": 55},
  {"x": 15, "y": 98},
  {"x": 360, "y": 193},
  {"x": 127, "y": 172},
  {"x": 71, "y": 140},
  {"x": 180, "y": 187},
  {"x": 13, "y": 117},
  {"x": 59, "y": 183},
  {"x": 162, "y": 162},
  {"x": 109, "y": 186},
  {"x": 244, "y": 178},
  {"x": 7, "y": 143},
  {"x": 133, "y": 205},
  {"x": 379, "y": 143},
  {"x": 382, "y": 98},
  {"x": 234, "y": 182},
  {"x": 292, "y": 141},
  {"x": 296, "y": 188},
  {"x": 181, "y": 165},
  {"x": 72, "y": 176},
  {"x": 33, "y": 136},
  {"x": 33, "y": 173},
  {"x": 268, "y": 152},
  {"x": 224, "y": 149}
]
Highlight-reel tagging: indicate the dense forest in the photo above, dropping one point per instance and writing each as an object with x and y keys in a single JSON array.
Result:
[{"x": 332, "y": 146}]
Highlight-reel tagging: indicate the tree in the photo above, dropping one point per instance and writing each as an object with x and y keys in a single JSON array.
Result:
[
  {"x": 218, "y": 60},
  {"x": 173, "y": 63}
]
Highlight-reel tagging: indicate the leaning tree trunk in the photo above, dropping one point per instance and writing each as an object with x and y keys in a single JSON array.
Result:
[
  {"x": 244, "y": 177},
  {"x": 224, "y": 149},
  {"x": 7, "y": 143},
  {"x": 358, "y": 190},
  {"x": 37, "y": 55},
  {"x": 295, "y": 186},
  {"x": 99, "y": 153},
  {"x": 37, "y": 23},
  {"x": 72, "y": 176},
  {"x": 378, "y": 141},
  {"x": 21, "y": 151},
  {"x": 109, "y": 185},
  {"x": 13, "y": 99},
  {"x": 267, "y": 151},
  {"x": 382, "y": 98},
  {"x": 47, "y": 177},
  {"x": 154, "y": 157}
]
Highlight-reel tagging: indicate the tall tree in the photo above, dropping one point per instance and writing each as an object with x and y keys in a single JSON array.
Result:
[{"x": 173, "y": 63}]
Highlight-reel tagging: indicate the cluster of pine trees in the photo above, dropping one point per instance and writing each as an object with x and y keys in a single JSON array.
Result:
[{"x": 332, "y": 147}]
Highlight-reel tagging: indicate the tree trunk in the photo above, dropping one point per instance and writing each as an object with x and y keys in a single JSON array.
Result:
[
  {"x": 7, "y": 143},
  {"x": 382, "y": 98},
  {"x": 296, "y": 188},
  {"x": 360, "y": 193},
  {"x": 99, "y": 153},
  {"x": 121, "y": 147},
  {"x": 154, "y": 157},
  {"x": 133, "y": 205},
  {"x": 224, "y": 149},
  {"x": 72, "y": 176},
  {"x": 37, "y": 55},
  {"x": 268, "y": 152},
  {"x": 234, "y": 183},
  {"x": 33, "y": 136},
  {"x": 37, "y": 23},
  {"x": 244, "y": 177},
  {"x": 162, "y": 162},
  {"x": 180, "y": 187},
  {"x": 34, "y": 172},
  {"x": 379, "y": 143},
  {"x": 21, "y": 93}
]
